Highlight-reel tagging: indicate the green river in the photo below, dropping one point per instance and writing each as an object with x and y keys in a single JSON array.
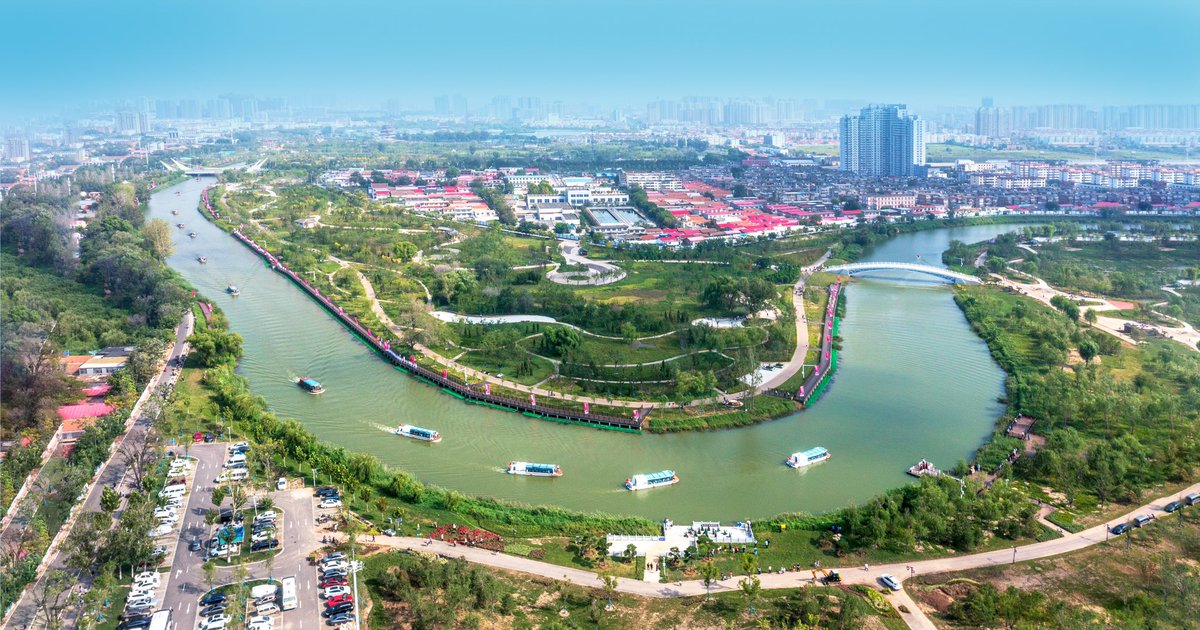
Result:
[{"x": 914, "y": 382}]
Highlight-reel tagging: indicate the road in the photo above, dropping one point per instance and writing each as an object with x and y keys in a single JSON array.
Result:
[
  {"x": 598, "y": 272},
  {"x": 113, "y": 473},
  {"x": 186, "y": 582}
]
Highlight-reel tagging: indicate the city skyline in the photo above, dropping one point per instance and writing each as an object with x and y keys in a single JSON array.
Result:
[{"x": 480, "y": 50}]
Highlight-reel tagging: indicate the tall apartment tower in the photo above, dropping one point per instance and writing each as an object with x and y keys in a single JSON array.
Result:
[{"x": 882, "y": 141}]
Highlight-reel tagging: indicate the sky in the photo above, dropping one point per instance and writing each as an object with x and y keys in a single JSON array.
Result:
[{"x": 616, "y": 52}]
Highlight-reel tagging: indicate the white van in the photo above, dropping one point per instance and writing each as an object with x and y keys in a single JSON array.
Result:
[
  {"x": 234, "y": 460},
  {"x": 263, "y": 590},
  {"x": 267, "y": 609},
  {"x": 281, "y": 484},
  {"x": 172, "y": 491}
]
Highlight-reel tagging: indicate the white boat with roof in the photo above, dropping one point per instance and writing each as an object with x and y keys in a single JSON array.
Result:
[
  {"x": 814, "y": 455},
  {"x": 651, "y": 480},
  {"x": 534, "y": 470},
  {"x": 417, "y": 433}
]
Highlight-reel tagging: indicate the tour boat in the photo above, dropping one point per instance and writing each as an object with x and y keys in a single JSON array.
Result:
[
  {"x": 177, "y": 193},
  {"x": 651, "y": 480},
  {"x": 813, "y": 455},
  {"x": 175, "y": 212},
  {"x": 534, "y": 470},
  {"x": 417, "y": 433},
  {"x": 202, "y": 259},
  {"x": 192, "y": 234},
  {"x": 233, "y": 290},
  {"x": 179, "y": 225},
  {"x": 923, "y": 468},
  {"x": 310, "y": 385}
]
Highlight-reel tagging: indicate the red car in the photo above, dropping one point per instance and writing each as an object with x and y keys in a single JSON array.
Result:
[
  {"x": 333, "y": 582},
  {"x": 340, "y": 599}
]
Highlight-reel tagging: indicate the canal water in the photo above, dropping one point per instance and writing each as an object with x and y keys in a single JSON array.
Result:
[{"x": 913, "y": 382}]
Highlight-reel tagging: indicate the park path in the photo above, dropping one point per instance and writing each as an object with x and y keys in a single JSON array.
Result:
[
  {"x": 868, "y": 575},
  {"x": 794, "y": 364},
  {"x": 1041, "y": 291}
]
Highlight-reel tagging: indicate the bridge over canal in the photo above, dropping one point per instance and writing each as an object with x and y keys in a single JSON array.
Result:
[{"x": 929, "y": 270}]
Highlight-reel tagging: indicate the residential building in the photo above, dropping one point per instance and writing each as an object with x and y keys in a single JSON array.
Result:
[{"x": 882, "y": 141}]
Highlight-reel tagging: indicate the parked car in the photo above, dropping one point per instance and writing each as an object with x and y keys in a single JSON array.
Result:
[
  {"x": 1138, "y": 521},
  {"x": 281, "y": 483},
  {"x": 136, "y": 612},
  {"x": 325, "y": 491},
  {"x": 213, "y": 624},
  {"x": 160, "y": 531},
  {"x": 334, "y": 573},
  {"x": 337, "y": 555},
  {"x": 141, "y": 602},
  {"x": 889, "y": 581},
  {"x": 260, "y": 536},
  {"x": 338, "y": 620},
  {"x": 334, "y": 591},
  {"x": 212, "y": 598},
  {"x": 330, "y": 504},
  {"x": 135, "y": 624},
  {"x": 260, "y": 619},
  {"x": 159, "y": 551},
  {"x": 1172, "y": 506},
  {"x": 335, "y": 581},
  {"x": 339, "y": 609},
  {"x": 345, "y": 566},
  {"x": 339, "y": 599},
  {"x": 148, "y": 577},
  {"x": 260, "y": 626},
  {"x": 1193, "y": 498},
  {"x": 215, "y": 609},
  {"x": 1119, "y": 529},
  {"x": 264, "y": 545},
  {"x": 195, "y": 545},
  {"x": 266, "y": 517}
]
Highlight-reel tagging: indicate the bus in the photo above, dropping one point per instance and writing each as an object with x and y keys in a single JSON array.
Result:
[
  {"x": 288, "y": 600},
  {"x": 160, "y": 620}
]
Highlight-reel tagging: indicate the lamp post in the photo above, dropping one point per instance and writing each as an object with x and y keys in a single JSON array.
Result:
[{"x": 314, "y": 474}]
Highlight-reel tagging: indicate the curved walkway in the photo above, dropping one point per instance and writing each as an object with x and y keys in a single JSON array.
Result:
[{"x": 598, "y": 273}]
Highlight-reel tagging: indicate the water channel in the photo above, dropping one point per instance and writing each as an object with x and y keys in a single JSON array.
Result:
[{"x": 914, "y": 382}]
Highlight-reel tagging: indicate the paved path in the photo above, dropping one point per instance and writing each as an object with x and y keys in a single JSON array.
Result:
[
  {"x": 851, "y": 575},
  {"x": 112, "y": 473},
  {"x": 1041, "y": 291},
  {"x": 794, "y": 364},
  {"x": 598, "y": 272}
]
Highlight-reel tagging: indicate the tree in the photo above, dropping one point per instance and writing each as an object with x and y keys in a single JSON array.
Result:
[
  {"x": 156, "y": 238},
  {"x": 749, "y": 564},
  {"x": 110, "y": 500},
  {"x": 237, "y": 494},
  {"x": 210, "y": 573},
  {"x": 218, "y": 495},
  {"x": 139, "y": 457},
  {"x": 751, "y": 589},
  {"x": 52, "y": 596},
  {"x": 1090, "y": 316},
  {"x": 405, "y": 251},
  {"x": 610, "y": 586},
  {"x": 709, "y": 573},
  {"x": 629, "y": 332},
  {"x": 1088, "y": 349}
]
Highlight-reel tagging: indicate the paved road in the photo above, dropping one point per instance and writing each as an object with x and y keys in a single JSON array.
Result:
[{"x": 113, "y": 473}]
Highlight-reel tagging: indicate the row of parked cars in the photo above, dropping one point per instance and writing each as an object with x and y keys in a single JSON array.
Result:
[
  {"x": 333, "y": 571},
  {"x": 1173, "y": 506},
  {"x": 329, "y": 497},
  {"x": 260, "y": 613},
  {"x": 235, "y": 468},
  {"x": 141, "y": 603}
]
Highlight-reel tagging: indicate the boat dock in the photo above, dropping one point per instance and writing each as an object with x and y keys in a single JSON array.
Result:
[{"x": 478, "y": 393}]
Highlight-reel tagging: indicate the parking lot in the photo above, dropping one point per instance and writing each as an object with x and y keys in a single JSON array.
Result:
[{"x": 298, "y": 538}]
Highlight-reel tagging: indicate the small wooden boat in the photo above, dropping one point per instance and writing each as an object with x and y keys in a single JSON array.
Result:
[{"x": 310, "y": 385}]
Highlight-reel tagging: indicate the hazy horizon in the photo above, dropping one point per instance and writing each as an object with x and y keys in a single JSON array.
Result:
[{"x": 937, "y": 52}]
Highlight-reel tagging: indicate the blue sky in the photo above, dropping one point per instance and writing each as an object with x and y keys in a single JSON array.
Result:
[{"x": 923, "y": 52}]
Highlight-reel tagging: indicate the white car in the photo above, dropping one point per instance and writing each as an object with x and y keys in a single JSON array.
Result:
[
  {"x": 160, "y": 531},
  {"x": 267, "y": 516},
  {"x": 150, "y": 579},
  {"x": 218, "y": 551},
  {"x": 159, "y": 551},
  {"x": 164, "y": 511},
  {"x": 141, "y": 602},
  {"x": 344, "y": 566},
  {"x": 240, "y": 445},
  {"x": 141, "y": 590},
  {"x": 215, "y": 622},
  {"x": 260, "y": 626},
  {"x": 261, "y": 536},
  {"x": 334, "y": 591},
  {"x": 330, "y": 503},
  {"x": 169, "y": 519},
  {"x": 260, "y": 620}
]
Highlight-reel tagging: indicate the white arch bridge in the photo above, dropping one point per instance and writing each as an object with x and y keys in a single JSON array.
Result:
[{"x": 940, "y": 272}]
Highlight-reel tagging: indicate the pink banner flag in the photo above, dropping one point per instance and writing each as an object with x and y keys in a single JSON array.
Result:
[
  {"x": 487, "y": 388},
  {"x": 586, "y": 409},
  {"x": 532, "y": 399},
  {"x": 443, "y": 373},
  {"x": 817, "y": 370},
  {"x": 801, "y": 390}
]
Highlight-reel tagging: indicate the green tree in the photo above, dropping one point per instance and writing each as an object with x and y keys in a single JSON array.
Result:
[
  {"x": 751, "y": 589},
  {"x": 110, "y": 500},
  {"x": 405, "y": 251},
  {"x": 156, "y": 238},
  {"x": 710, "y": 574}
]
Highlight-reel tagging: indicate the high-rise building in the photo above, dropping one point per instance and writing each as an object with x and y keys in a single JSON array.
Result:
[
  {"x": 882, "y": 141},
  {"x": 18, "y": 149}
]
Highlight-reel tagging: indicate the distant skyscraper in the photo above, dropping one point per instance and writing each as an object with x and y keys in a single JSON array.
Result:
[
  {"x": 882, "y": 141},
  {"x": 18, "y": 149}
]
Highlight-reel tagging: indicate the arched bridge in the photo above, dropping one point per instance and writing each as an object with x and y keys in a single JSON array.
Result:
[{"x": 940, "y": 272}]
